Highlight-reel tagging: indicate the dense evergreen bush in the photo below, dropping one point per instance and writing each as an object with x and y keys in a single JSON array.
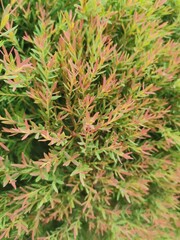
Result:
[{"x": 89, "y": 130}]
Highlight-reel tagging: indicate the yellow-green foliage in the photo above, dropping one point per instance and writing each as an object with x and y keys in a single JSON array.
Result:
[{"x": 89, "y": 124}]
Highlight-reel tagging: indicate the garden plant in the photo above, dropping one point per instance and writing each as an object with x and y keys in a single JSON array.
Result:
[{"x": 89, "y": 119}]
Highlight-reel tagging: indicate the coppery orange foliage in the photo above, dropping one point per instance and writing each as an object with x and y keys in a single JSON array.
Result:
[{"x": 89, "y": 124}]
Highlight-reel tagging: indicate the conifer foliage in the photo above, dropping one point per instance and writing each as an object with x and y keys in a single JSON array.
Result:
[{"x": 89, "y": 131}]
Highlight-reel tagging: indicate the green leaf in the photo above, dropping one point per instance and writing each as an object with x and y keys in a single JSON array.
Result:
[
  {"x": 54, "y": 187},
  {"x": 81, "y": 169}
]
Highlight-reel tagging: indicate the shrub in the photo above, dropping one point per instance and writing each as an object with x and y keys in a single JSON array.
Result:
[{"x": 89, "y": 119}]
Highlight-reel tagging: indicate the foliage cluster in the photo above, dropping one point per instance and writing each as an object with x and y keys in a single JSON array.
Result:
[{"x": 89, "y": 131}]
